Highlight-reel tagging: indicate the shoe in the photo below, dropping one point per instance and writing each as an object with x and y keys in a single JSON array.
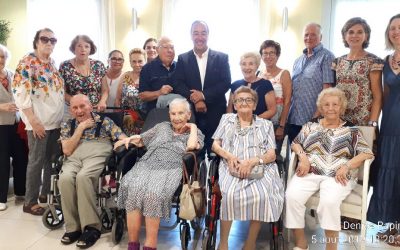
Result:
[
  {"x": 149, "y": 248},
  {"x": 42, "y": 199},
  {"x": 3, "y": 206},
  {"x": 386, "y": 234},
  {"x": 88, "y": 238},
  {"x": 298, "y": 248},
  {"x": 33, "y": 209},
  {"x": 71, "y": 237},
  {"x": 395, "y": 241},
  {"x": 133, "y": 246}
]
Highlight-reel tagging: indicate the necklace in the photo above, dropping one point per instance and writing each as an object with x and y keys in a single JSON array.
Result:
[
  {"x": 243, "y": 131},
  {"x": 395, "y": 64}
]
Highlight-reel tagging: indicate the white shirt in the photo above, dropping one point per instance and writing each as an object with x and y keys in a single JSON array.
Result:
[{"x": 202, "y": 64}]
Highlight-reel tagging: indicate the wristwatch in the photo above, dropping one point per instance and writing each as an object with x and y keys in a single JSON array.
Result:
[
  {"x": 373, "y": 123},
  {"x": 260, "y": 161}
]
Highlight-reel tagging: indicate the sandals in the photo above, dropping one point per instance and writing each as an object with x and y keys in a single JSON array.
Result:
[
  {"x": 71, "y": 237},
  {"x": 33, "y": 209},
  {"x": 395, "y": 241},
  {"x": 386, "y": 234},
  {"x": 88, "y": 238}
]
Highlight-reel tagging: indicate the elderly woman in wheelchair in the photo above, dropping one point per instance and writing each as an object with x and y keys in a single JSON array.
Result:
[
  {"x": 251, "y": 187},
  {"x": 329, "y": 150},
  {"x": 148, "y": 188}
]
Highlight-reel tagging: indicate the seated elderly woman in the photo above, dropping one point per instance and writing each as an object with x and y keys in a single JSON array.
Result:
[
  {"x": 330, "y": 150},
  {"x": 245, "y": 141},
  {"x": 147, "y": 189}
]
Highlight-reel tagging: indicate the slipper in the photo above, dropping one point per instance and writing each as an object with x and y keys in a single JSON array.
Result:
[
  {"x": 33, "y": 209},
  {"x": 71, "y": 237},
  {"x": 88, "y": 238}
]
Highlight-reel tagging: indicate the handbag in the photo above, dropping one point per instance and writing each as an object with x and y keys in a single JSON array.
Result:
[
  {"x": 192, "y": 197},
  {"x": 257, "y": 172}
]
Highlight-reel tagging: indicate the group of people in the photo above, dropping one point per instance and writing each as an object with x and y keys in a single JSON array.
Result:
[{"x": 318, "y": 107}]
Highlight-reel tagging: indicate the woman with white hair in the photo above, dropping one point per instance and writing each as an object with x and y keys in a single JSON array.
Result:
[
  {"x": 12, "y": 143},
  {"x": 266, "y": 107},
  {"x": 330, "y": 150},
  {"x": 148, "y": 188}
]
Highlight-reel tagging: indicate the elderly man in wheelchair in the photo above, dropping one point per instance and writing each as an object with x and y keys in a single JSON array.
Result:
[
  {"x": 86, "y": 142},
  {"x": 148, "y": 188}
]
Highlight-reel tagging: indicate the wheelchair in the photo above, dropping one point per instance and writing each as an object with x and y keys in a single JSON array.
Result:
[
  {"x": 112, "y": 219},
  {"x": 209, "y": 236},
  {"x": 154, "y": 117}
]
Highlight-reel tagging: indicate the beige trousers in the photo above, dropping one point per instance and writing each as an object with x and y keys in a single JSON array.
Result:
[{"x": 78, "y": 182}]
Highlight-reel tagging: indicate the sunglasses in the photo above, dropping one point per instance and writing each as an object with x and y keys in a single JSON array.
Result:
[{"x": 45, "y": 40}]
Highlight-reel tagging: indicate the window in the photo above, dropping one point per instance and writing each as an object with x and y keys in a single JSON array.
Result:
[
  {"x": 68, "y": 19},
  {"x": 377, "y": 14},
  {"x": 234, "y": 26}
]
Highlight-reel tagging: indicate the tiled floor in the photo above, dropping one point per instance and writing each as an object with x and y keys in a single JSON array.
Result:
[{"x": 19, "y": 230}]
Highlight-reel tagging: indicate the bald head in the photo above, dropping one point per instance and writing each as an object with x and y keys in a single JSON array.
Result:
[{"x": 80, "y": 107}]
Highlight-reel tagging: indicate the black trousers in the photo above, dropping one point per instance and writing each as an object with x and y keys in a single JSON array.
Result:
[{"x": 11, "y": 145}]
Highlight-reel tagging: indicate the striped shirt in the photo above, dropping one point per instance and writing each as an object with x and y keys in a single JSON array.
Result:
[{"x": 309, "y": 76}]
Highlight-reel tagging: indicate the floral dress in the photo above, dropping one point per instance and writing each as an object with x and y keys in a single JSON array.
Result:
[
  {"x": 352, "y": 76},
  {"x": 76, "y": 83},
  {"x": 133, "y": 124}
]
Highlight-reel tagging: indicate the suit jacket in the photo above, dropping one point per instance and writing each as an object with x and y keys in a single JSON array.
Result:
[{"x": 217, "y": 80}]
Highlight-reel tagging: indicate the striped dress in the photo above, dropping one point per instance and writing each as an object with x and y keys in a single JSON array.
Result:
[{"x": 244, "y": 199}]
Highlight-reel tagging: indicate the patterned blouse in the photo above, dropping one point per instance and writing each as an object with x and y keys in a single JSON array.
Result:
[
  {"x": 109, "y": 130},
  {"x": 130, "y": 95},
  {"x": 39, "y": 86},
  {"x": 352, "y": 76},
  {"x": 328, "y": 149},
  {"x": 76, "y": 83}
]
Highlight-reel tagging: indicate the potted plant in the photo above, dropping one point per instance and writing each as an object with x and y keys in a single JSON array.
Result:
[{"x": 5, "y": 31}]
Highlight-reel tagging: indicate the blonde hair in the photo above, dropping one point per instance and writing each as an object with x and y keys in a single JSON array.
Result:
[
  {"x": 333, "y": 92},
  {"x": 138, "y": 51}
]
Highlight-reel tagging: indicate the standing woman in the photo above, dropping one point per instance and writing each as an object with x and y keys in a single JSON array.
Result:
[
  {"x": 150, "y": 46},
  {"x": 38, "y": 91},
  {"x": 282, "y": 84},
  {"x": 83, "y": 75},
  {"x": 266, "y": 107},
  {"x": 128, "y": 93},
  {"x": 12, "y": 144},
  {"x": 385, "y": 201},
  {"x": 359, "y": 75},
  {"x": 113, "y": 74}
]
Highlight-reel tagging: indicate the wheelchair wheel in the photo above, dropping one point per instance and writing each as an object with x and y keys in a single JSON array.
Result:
[
  {"x": 197, "y": 223},
  {"x": 106, "y": 222},
  {"x": 52, "y": 222},
  {"x": 185, "y": 235},
  {"x": 117, "y": 230}
]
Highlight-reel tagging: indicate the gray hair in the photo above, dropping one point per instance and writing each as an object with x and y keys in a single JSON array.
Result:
[
  {"x": 164, "y": 39},
  {"x": 254, "y": 55},
  {"x": 6, "y": 52},
  {"x": 316, "y": 25},
  {"x": 177, "y": 101}
]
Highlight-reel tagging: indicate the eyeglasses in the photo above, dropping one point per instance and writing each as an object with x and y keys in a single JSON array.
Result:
[
  {"x": 45, "y": 40},
  {"x": 171, "y": 47},
  {"x": 150, "y": 47},
  {"x": 116, "y": 59},
  {"x": 270, "y": 54},
  {"x": 242, "y": 100}
]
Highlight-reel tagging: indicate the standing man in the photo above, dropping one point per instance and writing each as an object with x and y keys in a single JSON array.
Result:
[
  {"x": 311, "y": 73},
  {"x": 203, "y": 76}
]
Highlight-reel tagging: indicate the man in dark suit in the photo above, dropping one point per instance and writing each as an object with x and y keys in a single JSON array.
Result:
[{"x": 203, "y": 76}]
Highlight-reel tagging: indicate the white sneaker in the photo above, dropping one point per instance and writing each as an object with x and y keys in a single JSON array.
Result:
[{"x": 3, "y": 206}]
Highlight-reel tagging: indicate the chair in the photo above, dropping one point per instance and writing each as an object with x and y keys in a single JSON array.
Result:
[{"x": 355, "y": 205}]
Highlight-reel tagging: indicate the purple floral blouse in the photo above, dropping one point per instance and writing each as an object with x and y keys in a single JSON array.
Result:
[{"x": 90, "y": 85}]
